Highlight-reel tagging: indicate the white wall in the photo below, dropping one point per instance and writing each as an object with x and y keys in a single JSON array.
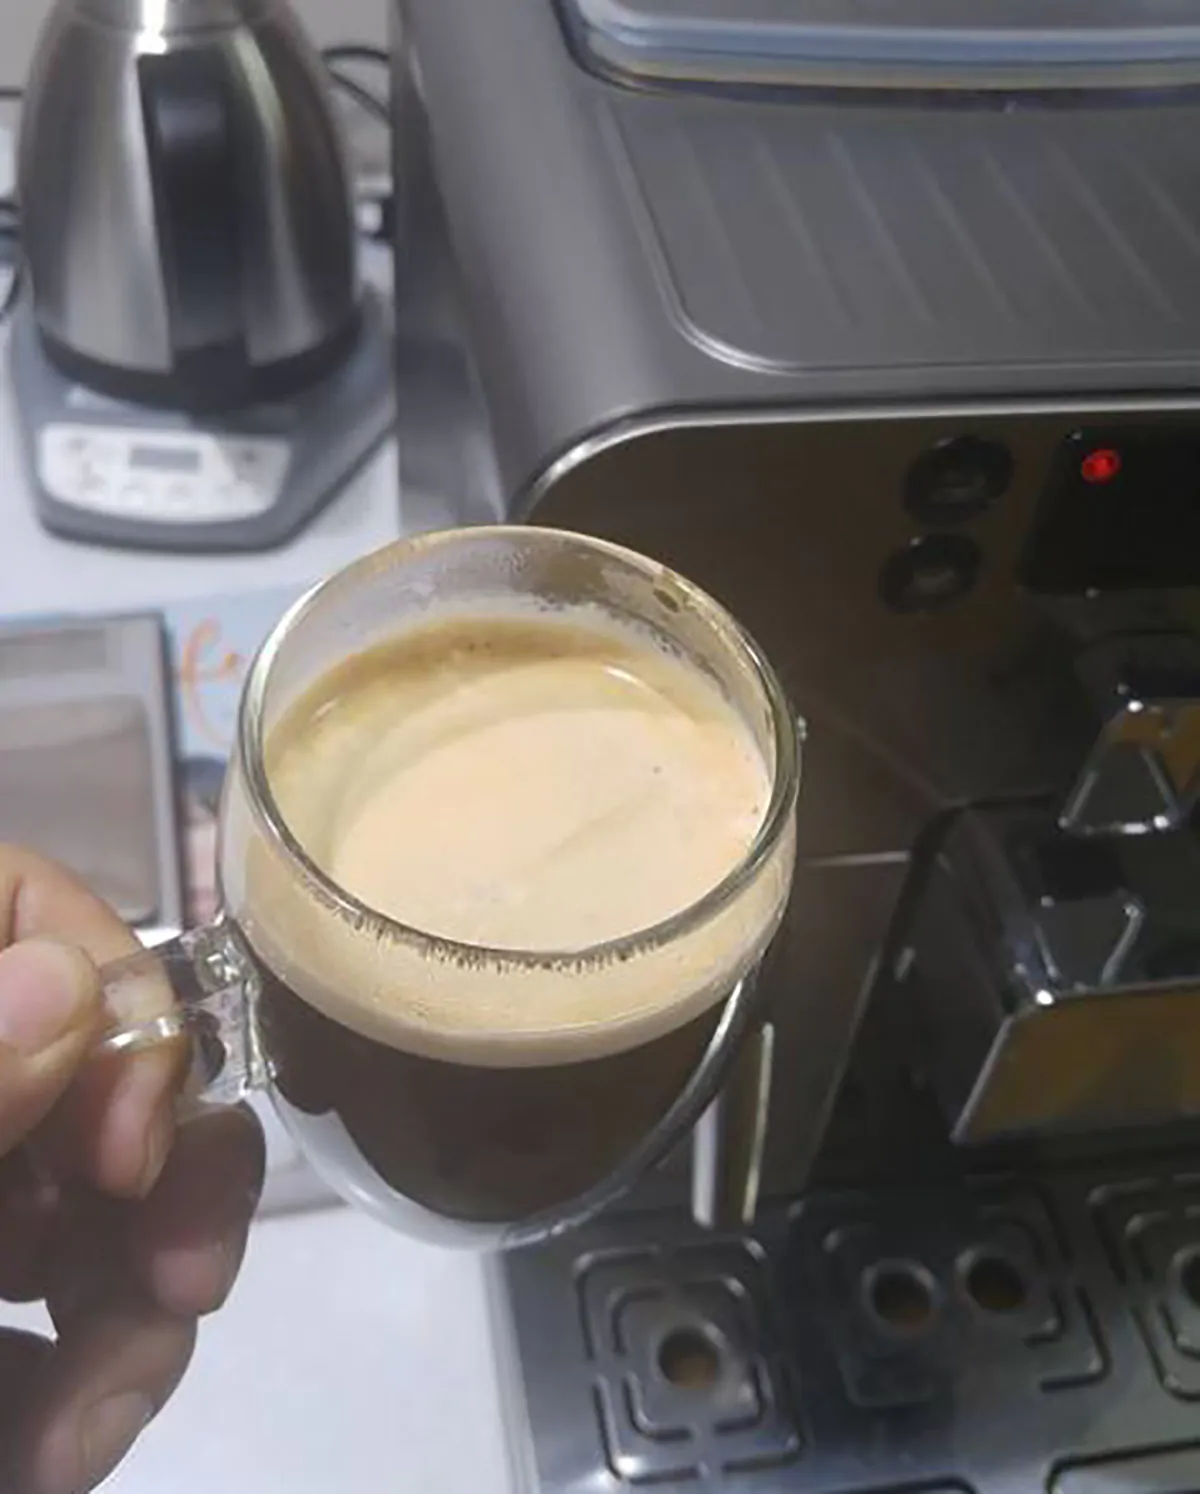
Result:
[{"x": 329, "y": 21}]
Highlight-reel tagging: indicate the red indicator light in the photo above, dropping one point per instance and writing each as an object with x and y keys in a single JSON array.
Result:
[{"x": 1101, "y": 465}]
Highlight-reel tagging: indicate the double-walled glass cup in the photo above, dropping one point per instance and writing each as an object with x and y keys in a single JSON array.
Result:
[{"x": 441, "y": 1125}]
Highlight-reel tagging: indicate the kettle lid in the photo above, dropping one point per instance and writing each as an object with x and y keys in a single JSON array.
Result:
[{"x": 164, "y": 18}]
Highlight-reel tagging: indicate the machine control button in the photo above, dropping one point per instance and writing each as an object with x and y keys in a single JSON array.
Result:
[
  {"x": 957, "y": 479},
  {"x": 932, "y": 572}
]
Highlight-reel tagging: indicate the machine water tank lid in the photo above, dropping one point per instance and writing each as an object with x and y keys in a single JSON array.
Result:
[{"x": 1024, "y": 45}]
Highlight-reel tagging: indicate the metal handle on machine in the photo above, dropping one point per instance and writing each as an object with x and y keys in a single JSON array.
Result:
[{"x": 730, "y": 1138}]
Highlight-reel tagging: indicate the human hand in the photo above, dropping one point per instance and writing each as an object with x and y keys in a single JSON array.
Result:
[{"x": 128, "y": 1227}]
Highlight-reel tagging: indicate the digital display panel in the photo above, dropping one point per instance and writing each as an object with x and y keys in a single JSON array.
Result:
[{"x": 170, "y": 459}]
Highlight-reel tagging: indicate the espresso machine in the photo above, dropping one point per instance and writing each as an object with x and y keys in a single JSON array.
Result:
[{"x": 885, "y": 328}]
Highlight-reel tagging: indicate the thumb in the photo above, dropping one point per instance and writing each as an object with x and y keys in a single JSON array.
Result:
[{"x": 50, "y": 1014}]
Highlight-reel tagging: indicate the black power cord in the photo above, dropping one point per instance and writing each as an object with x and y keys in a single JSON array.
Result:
[
  {"x": 370, "y": 103},
  {"x": 10, "y": 254},
  {"x": 12, "y": 294},
  {"x": 337, "y": 58},
  {"x": 10, "y": 226},
  {"x": 376, "y": 207},
  {"x": 357, "y": 52}
]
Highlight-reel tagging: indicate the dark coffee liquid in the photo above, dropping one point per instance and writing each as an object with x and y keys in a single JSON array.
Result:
[{"x": 479, "y": 1145}]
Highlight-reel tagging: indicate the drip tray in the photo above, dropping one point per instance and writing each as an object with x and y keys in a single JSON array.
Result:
[{"x": 998, "y": 1337}]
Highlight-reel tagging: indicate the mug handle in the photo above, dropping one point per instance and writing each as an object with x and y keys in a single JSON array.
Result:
[
  {"x": 198, "y": 990},
  {"x": 730, "y": 1138}
]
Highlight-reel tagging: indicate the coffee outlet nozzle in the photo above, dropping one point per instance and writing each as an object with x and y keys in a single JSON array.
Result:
[{"x": 1053, "y": 948}]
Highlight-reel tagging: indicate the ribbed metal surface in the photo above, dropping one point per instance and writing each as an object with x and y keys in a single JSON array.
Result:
[{"x": 796, "y": 239}]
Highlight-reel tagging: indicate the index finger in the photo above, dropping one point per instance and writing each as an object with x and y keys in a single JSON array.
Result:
[
  {"x": 115, "y": 1125},
  {"x": 41, "y": 900}
]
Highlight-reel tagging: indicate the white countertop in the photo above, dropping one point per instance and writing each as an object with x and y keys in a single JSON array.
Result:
[{"x": 349, "y": 1359}]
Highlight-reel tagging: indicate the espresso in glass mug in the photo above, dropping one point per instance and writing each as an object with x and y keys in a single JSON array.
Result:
[{"x": 509, "y": 826}]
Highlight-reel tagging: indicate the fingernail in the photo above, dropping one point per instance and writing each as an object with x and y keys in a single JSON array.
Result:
[
  {"x": 109, "y": 1430},
  {"x": 46, "y": 990}
]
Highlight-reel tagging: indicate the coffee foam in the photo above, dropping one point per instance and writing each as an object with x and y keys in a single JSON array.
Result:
[{"x": 433, "y": 725}]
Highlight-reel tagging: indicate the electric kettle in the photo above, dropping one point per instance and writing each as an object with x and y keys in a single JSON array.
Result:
[{"x": 190, "y": 242}]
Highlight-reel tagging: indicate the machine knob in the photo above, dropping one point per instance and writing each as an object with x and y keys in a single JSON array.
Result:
[
  {"x": 934, "y": 571},
  {"x": 957, "y": 480}
]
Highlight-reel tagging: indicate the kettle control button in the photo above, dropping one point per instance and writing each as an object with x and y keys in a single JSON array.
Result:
[
  {"x": 956, "y": 480},
  {"x": 91, "y": 489},
  {"x": 247, "y": 460},
  {"x": 932, "y": 572}
]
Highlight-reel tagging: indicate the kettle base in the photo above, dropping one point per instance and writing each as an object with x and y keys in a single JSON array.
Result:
[{"x": 133, "y": 476}]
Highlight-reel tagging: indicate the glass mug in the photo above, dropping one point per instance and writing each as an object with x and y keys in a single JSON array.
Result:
[{"x": 453, "y": 1137}]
